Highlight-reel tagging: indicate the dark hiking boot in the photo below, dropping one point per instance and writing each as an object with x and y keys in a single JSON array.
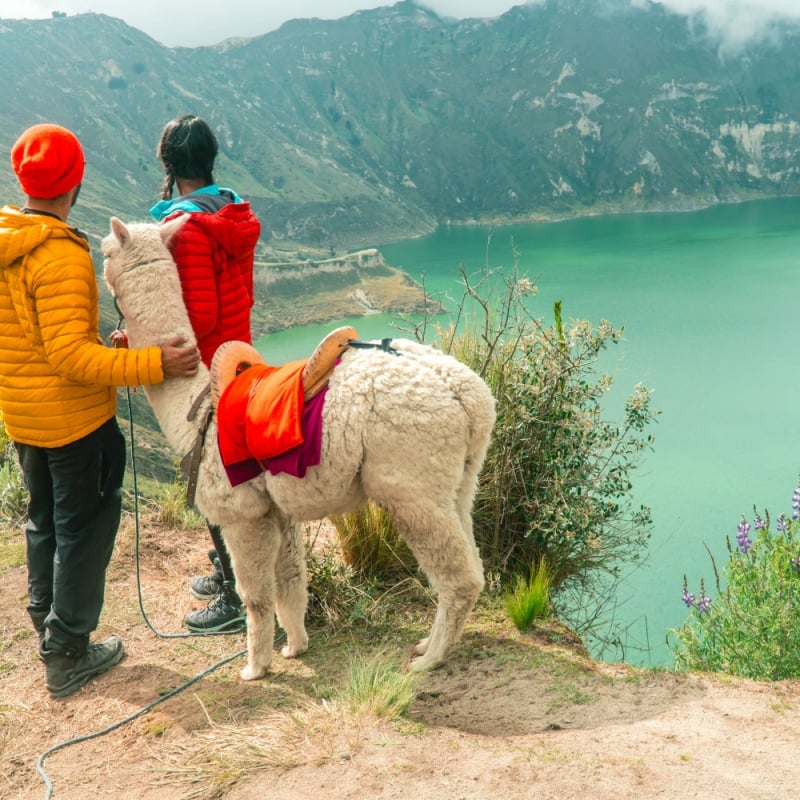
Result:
[
  {"x": 67, "y": 672},
  {"x": 223, "y": 613},
  {"x": 207, "y": 587}
]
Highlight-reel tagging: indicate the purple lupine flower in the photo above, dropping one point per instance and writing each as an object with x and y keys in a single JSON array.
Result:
[
  {"x": 743, "y": 536},
  {"x": 759, "y": 523},
  {"x": 687, "y": 597},
  {"x": 796, "y": 504},
  {"x": 782, "y": 524},
  {"x": 703, "y": 604}
]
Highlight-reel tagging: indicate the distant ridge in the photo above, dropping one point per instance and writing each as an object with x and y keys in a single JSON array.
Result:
[{"x": 389, "y": 122}]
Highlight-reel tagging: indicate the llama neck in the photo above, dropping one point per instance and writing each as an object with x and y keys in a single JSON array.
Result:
[
  {"x": 152, "y": 299},
  {"x": 171, "y": 402},
  {"x": 154, "y": 314}
]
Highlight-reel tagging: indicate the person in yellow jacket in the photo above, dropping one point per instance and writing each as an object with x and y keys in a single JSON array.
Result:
[{"x": 58, "y": 401}]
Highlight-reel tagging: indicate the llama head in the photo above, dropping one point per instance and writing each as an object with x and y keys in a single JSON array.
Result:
[
  {"x": 130, "y": 246},
  {"x": 143, "y": 278}
]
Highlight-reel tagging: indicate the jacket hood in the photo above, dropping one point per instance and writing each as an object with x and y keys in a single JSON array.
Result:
[
  {"x": 234, "y": 227},
  {"x": 21, "y": 233}
]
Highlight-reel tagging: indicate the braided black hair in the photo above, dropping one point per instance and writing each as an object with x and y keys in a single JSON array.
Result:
[{"x": 187, "y": 149}]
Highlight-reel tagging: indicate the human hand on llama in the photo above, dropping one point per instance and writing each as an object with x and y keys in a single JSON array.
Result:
[
  {"x": 118, "y": 339},
  {"x": 179, "y": 358}
]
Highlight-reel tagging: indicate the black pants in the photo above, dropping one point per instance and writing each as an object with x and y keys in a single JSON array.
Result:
[
  {"x": 222, "y": 552},
  {"x": 73, "y": 517}
]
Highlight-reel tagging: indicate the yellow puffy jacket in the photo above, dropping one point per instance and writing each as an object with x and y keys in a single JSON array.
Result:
[{"x": 57, "y": 378}]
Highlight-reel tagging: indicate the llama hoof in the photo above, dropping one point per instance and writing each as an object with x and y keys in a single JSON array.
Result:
[
  {"x": 421, "y": 647},
  {"x": 250, "y": 673},
  {"x": 424, "y": 659},
  {"x": 424, "y": 664},
  {"x": 292, "y": 652}
]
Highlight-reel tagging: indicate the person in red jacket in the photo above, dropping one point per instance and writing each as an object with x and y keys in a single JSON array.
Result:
[
  {"x": 214, "y": 252},
  {"x": 58, "y": 400}
]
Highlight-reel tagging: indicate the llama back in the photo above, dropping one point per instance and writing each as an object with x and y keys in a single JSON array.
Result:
[
  {"x": 466, "y": 385},
  {"x": 418, "y": 416}
]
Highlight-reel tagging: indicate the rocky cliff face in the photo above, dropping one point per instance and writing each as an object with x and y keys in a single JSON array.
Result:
[{"x": 316, "y": 291}]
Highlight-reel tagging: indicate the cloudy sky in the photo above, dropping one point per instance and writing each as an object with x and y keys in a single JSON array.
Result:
[{"x": 191, "y": 23}]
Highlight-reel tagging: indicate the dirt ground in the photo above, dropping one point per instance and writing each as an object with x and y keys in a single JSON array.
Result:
[{"x": 510, "y": 716}]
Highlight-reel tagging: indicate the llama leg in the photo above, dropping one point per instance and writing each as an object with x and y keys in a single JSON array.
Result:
[
  {"x": 465, "y": 499},
  {"x": 440, "y": 546},
  {"x": 253, "y": 547},
  {"x": 291, "y": 596}
]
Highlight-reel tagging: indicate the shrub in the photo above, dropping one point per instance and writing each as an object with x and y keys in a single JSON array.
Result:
[
  {"x": 751, "y": 627},
  {"x": 371, "y": 546},
  {"x": 13, "y": 492},
  {"x": 336, "y": 595},
  {"x": 13, "y": 495},
  {"x": 556, "y": 483}
]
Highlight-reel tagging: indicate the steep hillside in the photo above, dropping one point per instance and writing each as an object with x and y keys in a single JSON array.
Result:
[{"x": 389, "y": 122}]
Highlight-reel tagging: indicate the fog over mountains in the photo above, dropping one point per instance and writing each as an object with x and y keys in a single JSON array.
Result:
[{"x": 387, "y": 123}]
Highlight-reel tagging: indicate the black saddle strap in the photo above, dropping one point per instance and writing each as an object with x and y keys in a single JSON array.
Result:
[
  {"x": 190, "y": 463},
  {"x": 383, "y": 344}
]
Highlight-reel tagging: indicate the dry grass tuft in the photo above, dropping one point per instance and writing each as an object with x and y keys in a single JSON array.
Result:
[{"x": 220, "y": 756}]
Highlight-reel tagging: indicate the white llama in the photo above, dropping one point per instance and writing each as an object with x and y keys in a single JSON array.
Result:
[{"x": 407, "y": 431}]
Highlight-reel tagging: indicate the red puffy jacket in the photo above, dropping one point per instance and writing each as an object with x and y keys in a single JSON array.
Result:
[{"x": 214, "y": 253}]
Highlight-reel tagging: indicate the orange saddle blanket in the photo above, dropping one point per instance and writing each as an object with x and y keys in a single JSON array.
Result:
[{"x": 260, "y": 413}]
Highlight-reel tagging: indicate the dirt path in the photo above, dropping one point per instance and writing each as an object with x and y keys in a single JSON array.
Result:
[
  {"x": 509, "y": 717},
  {"x": 488, "y": 736}
]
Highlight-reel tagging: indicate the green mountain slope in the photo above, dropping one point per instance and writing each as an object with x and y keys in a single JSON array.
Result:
[{"x": 389, "y": 122}]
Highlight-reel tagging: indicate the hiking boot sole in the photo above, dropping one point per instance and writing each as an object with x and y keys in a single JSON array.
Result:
[{"x": 229, "y": 626}]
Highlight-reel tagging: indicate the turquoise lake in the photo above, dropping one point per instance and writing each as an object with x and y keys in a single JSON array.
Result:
[{"x": 711, "y": 325}]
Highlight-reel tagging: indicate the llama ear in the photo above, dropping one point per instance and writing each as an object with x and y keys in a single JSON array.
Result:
[
  {"x": 169, "y": 228},
  {"x": 120, "y": 231}
]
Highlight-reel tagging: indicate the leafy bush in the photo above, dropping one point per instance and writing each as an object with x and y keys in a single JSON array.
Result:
[
  {"x": 556, "y": 484},
  {"x": 13, "y": 495},
  {"x": 336, "y": 595},
  {"x": 751, "y": 628},
  {"x": 13, "y": 492},
  {"x": 557, "y": 479}
]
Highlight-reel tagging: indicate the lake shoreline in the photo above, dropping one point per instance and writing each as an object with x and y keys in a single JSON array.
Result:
[
  {"x": 323, "y": 310},
  {"x": 692, "y": 205}
]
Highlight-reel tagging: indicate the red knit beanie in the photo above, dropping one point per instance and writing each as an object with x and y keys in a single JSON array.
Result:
[{"x": 48, "y": 161}]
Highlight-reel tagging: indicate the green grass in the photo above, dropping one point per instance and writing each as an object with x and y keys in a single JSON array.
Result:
[
  {"x": 378, "y": 686},
  {"x": 529, "y": 599}
]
